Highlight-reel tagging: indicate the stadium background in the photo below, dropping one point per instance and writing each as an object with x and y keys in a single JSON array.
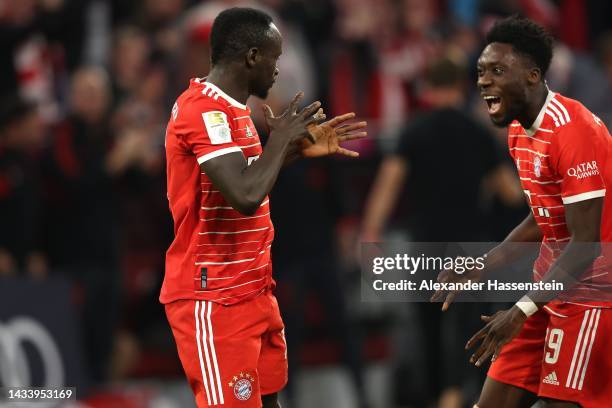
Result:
[{"x": 86, "y": 88}]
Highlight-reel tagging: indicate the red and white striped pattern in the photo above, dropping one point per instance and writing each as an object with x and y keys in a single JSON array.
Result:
[
  {"x": 207, "y": 354},
  {"x": 582, "y": 350},
  {"x": 218, "y": 253},
  {"x": 557, "y": 112}
]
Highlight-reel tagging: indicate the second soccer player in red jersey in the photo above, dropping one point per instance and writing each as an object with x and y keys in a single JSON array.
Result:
[
  {"x": 218, "y": 281},
  {"x": 559, "y": 350}
]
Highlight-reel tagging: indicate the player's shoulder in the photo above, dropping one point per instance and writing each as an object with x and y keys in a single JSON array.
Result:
[
  {"x": 197, "y": 99},
  {"x": 570, "y": 116}
]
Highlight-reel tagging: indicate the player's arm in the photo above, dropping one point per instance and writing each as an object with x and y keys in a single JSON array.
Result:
[
  {"x": 383, "y": 196},
  {"x": 583, "y": 220},
  {"x": 527, "y": 231},
  {"x": 245, "y": 187}
]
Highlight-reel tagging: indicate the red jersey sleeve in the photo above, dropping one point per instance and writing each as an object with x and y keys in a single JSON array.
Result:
[
  {"x": 207, "y": 132},
  {"x": 579, "y": 159}
]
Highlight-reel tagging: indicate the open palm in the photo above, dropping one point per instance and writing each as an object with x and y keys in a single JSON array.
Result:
[{"x": 328, "y": 136}]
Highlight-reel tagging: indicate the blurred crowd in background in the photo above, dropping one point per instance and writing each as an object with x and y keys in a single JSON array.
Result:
[{"x": 86, "y": 87}]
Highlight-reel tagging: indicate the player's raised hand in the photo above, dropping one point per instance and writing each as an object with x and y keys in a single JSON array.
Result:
[
  {"x": 291, "y": 124},
  {"x": 328, "y": 136}
]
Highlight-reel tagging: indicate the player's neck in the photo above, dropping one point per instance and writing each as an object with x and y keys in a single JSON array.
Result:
[
  {"x": 534, "y": 106},
  {"x": 229, "y": 82}
]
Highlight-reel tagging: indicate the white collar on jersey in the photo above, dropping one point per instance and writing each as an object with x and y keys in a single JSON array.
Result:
[
  {"x": 225, "y": 96},
  {"x": 536, "y": 123}
]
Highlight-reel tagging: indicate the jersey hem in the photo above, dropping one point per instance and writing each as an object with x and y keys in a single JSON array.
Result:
[
  {"x": 191, "y": 295},
  {"x": 583, "y": 196}
]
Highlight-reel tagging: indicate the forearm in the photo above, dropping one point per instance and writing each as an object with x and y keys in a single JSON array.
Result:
[
  {"x": 382, "y": 197},
  {"x": 259, "y": 178},
  {"x": 527, "y": 231},
  {"x": 294, "y": 153},
  {"x": 377, "y": 213},
  {"x": 569, "y": 267}
]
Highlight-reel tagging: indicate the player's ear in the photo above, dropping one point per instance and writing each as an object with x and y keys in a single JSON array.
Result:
[
  {"x": 534, "y": 75},
  {"x": 252, "y": 57}
]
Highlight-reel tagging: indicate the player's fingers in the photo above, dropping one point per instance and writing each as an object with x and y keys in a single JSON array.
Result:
[
  {"x": 293, "y": 105},
  {"x": 443, "y": 275},
  {"x": 351, "y": 127},
  {"x": 479, "y": 334},
  {"x": 308, "y": 112},
  {"x": 339, "y": 119},
  {"x": 488, "y": 352},
  {"x": 449, "y": 299},
  {"x": 484, "y": 345},
  {"x": 319, "y": 116},
  {"x": 437, "y": 296},
  {"x": 267, "y": 111},
  {"x": 497, "y": 352},
  {"x": 352, "y": 136},
  {"x": 486, "y": 319},
  {"x": 347, "y": 152}
]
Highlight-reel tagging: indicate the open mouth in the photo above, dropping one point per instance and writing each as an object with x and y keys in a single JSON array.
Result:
[{"x": 493, "y": 103}]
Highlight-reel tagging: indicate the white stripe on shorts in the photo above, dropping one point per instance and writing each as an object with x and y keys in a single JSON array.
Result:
[
  {"x": 214, "y": 353},
  {"x": 588, "y": 356},
  {"x": 577, "y": 348},
  {"x": 204, "y": 378}
]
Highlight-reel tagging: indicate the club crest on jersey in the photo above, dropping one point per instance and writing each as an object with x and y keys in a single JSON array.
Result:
[
  {"x": 248, "y": 132},
  {"x": 537, "y": 166},
  {"x": 583, "y": 170},
  {"x": 242, "y": 386}
]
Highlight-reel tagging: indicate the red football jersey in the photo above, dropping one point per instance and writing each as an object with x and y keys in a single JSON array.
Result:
[
  {"x": 563, "y": 159},
  {"x": 218, "y": 254}
]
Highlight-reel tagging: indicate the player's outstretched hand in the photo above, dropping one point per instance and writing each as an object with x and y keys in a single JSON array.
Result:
[
  {"x": 328, "y": 136},
  {"x": 450, "y": 276},
  {"x": 291, "y": 124},
  {"x": 500, "y": 328}
]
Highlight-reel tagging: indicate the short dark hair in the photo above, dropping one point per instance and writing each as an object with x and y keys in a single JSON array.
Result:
[
  {"x": 237, "y": 29},
  {"x": 526, "y": 37},
  {"x": 446, "y": 72}
]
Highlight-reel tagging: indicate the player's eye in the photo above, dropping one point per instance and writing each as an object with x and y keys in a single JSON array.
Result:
[
  {"x": 498, "y": 70},
  {"x": 480, "y": 72}
]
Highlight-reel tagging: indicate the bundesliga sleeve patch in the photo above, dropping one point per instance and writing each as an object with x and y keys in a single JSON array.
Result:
[{"x": 217, "y": 127}]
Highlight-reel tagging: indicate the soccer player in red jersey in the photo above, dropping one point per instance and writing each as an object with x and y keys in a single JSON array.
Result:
[
  {"x": 559, "y": 350},
  {"x": 218, "y": 280}
]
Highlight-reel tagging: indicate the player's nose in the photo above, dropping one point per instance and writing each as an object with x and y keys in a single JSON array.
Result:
[{"x": 484, "y": 81}]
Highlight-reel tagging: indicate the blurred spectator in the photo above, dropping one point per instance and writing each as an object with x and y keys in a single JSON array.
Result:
[
  {"x": 99, "y": 206},
  {"x": 21, "y": 138},
  {"x": 130, "y": 55},
  {"x": 443, "y": 161},
  {"x": 38, "y": 40},
  {"x": 450, "y": 135},
  {"x": 605, "y": 54},
  {"x": 308, "y": 273},
  {"x": 82, "y": 215}
]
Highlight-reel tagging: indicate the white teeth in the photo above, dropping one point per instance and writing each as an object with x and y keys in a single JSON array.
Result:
[{"x": 489, "y": 98}]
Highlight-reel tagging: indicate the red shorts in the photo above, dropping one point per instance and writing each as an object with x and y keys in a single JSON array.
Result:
[
  {"x": 562, "y": 352},
  {"x": 231, "y": 354}
]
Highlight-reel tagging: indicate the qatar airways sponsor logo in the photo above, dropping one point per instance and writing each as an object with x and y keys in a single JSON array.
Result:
[{"x": 583, "y": 170}]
